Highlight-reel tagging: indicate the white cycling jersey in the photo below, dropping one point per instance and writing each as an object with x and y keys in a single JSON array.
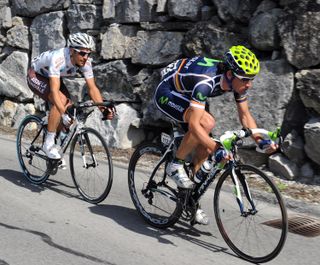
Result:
[{"x": 57, "y": 63}]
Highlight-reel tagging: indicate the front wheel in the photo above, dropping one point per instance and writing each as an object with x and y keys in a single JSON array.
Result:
[
  {"x": 153, "y": 194},
  {"x": 252, "y": 219},
  {"x": 32, "y": 159},
  {"x": 91, "y": 165}
]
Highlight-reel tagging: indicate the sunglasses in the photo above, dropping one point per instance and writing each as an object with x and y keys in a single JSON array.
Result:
[
  {"x": 82, "y": 53},
  {"x": 243, "y": 78}
]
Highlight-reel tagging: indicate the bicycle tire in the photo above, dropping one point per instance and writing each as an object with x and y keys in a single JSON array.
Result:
[
  {"x": 243, "y": 233},
  {"x": 159, "y": 205},
  {"x": 32, "y": 158},
  {"x": 93, "y": 180}
]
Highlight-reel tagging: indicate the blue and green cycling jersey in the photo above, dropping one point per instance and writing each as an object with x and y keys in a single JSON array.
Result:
[{"x": 197, "y": 79}]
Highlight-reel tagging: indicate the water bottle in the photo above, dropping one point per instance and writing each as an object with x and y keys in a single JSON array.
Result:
[{"x": 203, "y": 172}]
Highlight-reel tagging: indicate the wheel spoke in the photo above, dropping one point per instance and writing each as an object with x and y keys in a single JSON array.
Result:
[
  {"x": 33, "y": 163},
  {"x": 164, "y": 211},
  {"x": 248, "y": 235},
  {"x": 91, "y": 166}
]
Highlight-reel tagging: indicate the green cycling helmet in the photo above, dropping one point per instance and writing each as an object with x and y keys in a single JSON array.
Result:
[{"x": 242, "y": 61}]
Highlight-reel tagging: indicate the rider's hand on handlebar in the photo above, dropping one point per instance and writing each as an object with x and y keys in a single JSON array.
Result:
[
  {"x": 66, "y": 120},
  {"x": 108, "y": 113},
  {"x": 221, "y": 155},
  {"x": 267, "y": 146}
]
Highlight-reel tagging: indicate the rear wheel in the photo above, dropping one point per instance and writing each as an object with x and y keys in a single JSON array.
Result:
[
  {"x": 253, "y": 234},
  {"x": 155, "y": 197},
  {"x": 32, "y": 159},
  {"x": 91, "y": 165}
]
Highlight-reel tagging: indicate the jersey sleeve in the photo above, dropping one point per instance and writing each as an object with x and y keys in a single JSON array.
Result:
[
  {"x": 200, "y": 93},
  {"x": 87, "y": 70}
]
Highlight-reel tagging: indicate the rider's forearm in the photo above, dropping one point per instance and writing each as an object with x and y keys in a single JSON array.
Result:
[
  {"x": 94, "y": 91},
  {"x": 248, "y": 121},
  {"x": 95, "y": 95}
]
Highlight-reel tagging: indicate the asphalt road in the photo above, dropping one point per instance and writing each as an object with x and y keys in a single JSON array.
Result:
[{"x": 50, "y": 224}]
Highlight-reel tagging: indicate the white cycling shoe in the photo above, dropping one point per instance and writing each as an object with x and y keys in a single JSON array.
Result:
[
  {"x": 51, "y": 150},
  {"x": 178, "y": 174},
  {"x": 201, "y": 217}
]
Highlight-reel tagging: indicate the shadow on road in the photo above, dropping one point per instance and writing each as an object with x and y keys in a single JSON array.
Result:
[
  {"x": 18, "y": 179},
  {"x": 48, "y": 240},
  {"x": 129, "y": 219}
]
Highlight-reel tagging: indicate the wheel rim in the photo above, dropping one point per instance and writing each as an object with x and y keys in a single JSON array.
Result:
[
  {"x": 157, "y": 204},
  {"x": 250, "y": 236},
  {"x": 32, "y": 158},
  {"x": 92, "y": 174}
]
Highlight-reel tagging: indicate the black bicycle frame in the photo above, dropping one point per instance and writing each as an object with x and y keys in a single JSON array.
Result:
[{"x": 202, "y": 187}]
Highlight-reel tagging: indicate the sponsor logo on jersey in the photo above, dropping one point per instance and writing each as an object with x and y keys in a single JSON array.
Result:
[
  {"x": 175, "y": 106},
  {"x": 58, "y": 62},
  {"x": 208, "y": 62},
  {"x": 163, "y": 100},
  {"x": 201, "y": 97}
]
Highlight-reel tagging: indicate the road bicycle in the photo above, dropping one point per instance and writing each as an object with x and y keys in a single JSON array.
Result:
[
  {"x": 89, "y": 158},
  {"x": 247, "y": 203}
]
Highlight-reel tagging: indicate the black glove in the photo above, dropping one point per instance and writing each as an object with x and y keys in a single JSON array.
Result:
[{"x": 109, "y": 113}]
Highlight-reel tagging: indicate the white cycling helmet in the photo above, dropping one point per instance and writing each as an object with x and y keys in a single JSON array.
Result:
[{"x": 81, "y": 40}]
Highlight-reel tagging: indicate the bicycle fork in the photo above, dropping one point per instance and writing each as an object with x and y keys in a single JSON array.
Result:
[
  {"x": 83, "y": 138},
  {"x": 237, "y": 177}
]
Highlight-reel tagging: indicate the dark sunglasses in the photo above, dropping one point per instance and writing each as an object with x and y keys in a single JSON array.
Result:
[
  {"x": 82, "y": 53},
  {"x": 243, "y": 78}
]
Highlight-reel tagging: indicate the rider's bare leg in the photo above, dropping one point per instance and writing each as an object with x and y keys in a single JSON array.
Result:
[
  {"x": 54, "y": 115},
  {"x": 49, "y": 146},
  {"x": 191, "y": 142},
  {"x": 201, "y": 152},
  {"x": 188, "y": 144},
  {"x": 200, "y": 155}
]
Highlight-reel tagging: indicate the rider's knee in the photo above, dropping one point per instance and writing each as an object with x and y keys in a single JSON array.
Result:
[
  {"x": 208, "y": 123},
  {"x": 62, "y": 96}
]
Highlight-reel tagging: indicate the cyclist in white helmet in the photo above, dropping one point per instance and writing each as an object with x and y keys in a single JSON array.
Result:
[{"x": 44, "y": 79}]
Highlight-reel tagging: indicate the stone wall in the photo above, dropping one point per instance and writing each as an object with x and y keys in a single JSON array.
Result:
[{"x": 135, "y": 39}]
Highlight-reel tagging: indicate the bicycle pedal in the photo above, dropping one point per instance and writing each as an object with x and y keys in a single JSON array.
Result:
[
  {"x": 62, "y": 164},
  {"x": 63, "y": 167}
]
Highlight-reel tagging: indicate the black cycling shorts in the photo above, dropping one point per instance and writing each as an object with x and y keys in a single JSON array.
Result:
[
  {"x": 40, "y": 85},
  {"x": 171, "y": 103}
]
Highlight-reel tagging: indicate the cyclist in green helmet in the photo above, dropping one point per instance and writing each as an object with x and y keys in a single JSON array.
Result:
[{"x": 182, "y": 96}]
